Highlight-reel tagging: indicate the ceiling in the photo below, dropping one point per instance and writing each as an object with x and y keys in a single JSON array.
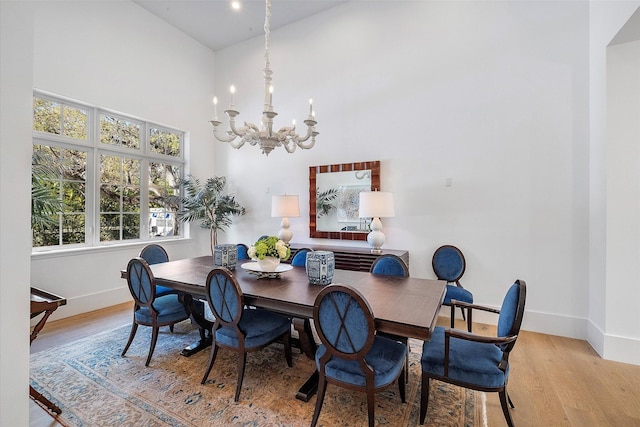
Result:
[{"x": 214, "y": 24}]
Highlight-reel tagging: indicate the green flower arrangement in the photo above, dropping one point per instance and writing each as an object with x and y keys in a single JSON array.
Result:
[{"x": 269, "y": 246}]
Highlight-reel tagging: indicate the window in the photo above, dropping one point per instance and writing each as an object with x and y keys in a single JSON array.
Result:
[{"x": 100, "y": 177}]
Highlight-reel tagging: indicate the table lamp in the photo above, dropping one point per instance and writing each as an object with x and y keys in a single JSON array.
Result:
[
  {"x": 376, "y": 205},
  {"x": 285, "y": 207}
]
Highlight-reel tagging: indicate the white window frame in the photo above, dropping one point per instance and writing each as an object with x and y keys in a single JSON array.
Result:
[{"x": 95, "y": 149}]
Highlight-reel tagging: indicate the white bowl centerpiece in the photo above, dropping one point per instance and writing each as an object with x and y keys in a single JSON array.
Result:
[{"x": 268, "y": 252}]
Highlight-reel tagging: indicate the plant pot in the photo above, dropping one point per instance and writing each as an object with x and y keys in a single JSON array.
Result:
[{"x": 269, "y": 263}]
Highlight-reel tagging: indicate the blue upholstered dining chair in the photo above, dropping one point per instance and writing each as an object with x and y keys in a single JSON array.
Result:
[
  {"x": 149, "y": 309},
  {"x": 473, "y": 361},
  {"x": 156, "y": 254},
  {"x": 243, "y": 252},
  {"x": 239, "y": 328},
  {"x": 449, "y": 264},
  {"x": 351, "y": 354},
  {"x": 389, "y": 265},
  {"x": 300, "y": 258},
  {"x": 392, "y": 265}
]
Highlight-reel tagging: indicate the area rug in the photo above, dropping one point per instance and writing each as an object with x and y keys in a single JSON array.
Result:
[{"x": 94, "y": 386}]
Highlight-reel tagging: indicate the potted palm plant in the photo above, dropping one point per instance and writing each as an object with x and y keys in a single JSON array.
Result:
[{"x": 208, "y": 204}]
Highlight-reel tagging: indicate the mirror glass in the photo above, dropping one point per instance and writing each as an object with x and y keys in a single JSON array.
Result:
[{"x": 334, "y": 198}]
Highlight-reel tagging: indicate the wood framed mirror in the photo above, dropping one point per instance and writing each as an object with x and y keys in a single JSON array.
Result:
[{"x": 334, "y": 197}]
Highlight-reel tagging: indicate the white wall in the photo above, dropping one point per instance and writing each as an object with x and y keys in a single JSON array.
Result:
[
  {"x": 605, "y": 20},
  {"x": 16, "y": 59},
  {"x": 473, "y": 91},
  {"x": 623, "y": 203},
  {"x": 118, "y": 56}
]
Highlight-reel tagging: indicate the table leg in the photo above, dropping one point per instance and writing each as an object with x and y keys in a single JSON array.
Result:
[
  {"x": 308, "y": 345},
  {"x": 196, "y": 308}
]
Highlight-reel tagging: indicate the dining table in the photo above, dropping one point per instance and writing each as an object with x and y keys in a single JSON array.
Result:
[{"x": 403, "y": 306}]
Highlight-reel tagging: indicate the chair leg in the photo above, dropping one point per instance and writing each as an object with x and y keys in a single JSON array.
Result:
[
  {"x": 510, "y": 402},
  {"x": 463, "y": 316},
  {"x": 212, "y": 358},
  {"x": 171, "y": 328},
  {"x": 371, "y": 405},
  {"x": 134, "y": 328},
  {"x": 322, "y": 388},
  {"x": 424, "y": 398},
  {"x": 242, "y": 360},
  {"x": 287, "y": 349},
  {"x": 505, "y": 408},
  {"x": 402, "y": 383},
  {"x": 154, "y": 339}
]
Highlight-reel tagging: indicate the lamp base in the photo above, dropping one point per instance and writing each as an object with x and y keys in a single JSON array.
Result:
[
  {"x": 285, "y": 234},
  {"x": 376, "y": 237}
]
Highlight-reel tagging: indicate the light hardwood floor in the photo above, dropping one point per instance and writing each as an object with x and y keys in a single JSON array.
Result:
[{"x": 554, "y": 381}]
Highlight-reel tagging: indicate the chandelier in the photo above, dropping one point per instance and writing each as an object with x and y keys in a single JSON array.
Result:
[{"x": 265, "y": 136}]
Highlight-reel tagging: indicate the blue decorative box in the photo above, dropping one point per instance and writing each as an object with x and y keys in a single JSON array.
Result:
[
  {"x": 320, "y": 266},
  {"x": 225, "y": 256}
]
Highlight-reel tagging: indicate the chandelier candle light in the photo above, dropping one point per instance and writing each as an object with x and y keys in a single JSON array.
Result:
[
  {"x": 376, "y": 205},
  {"x": 285, "y": 207},
  {"x": 265, "y": 137}
]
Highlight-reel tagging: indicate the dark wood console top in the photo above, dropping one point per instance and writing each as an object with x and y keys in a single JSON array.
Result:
[{"x": 352, "y": 258}]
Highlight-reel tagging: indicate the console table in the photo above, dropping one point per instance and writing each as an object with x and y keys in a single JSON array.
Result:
[{"x": 352, "y": 258}]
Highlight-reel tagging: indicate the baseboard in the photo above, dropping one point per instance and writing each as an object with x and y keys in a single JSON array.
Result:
[
  {"x": 91, "y": 302},
  {"x": 545, "y": 323}
]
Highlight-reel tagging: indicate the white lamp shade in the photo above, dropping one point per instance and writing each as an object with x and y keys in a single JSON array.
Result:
[
  {"x": 285, "y": 207},
  {"x": 376, "y": 204}
]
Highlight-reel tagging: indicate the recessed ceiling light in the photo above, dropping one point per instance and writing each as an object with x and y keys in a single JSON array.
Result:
[{"x": 235, "y": 4}]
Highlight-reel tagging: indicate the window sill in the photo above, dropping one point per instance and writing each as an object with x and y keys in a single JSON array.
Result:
[{"x": 87, "y": 250}]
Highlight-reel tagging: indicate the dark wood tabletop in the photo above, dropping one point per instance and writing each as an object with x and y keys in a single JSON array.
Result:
[{"x": 402, "y": 306}]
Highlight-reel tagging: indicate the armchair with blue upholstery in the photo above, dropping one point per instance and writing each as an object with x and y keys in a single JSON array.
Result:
[
  {"x": 351, "y": 354},
  {"x": 475, "y": 361},
  {"x": 150, "y": 309},
  {"x": 449, "y": 264},
  {"x": 239, "y": 328}
]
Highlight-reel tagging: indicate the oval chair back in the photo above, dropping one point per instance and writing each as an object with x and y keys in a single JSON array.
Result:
[
  {"x": 243, "y": 251},
  {"x": 225, "y": 298},
  {"x": 344, "y": 322},
  {"x": 141, "y": 282},
  {"x": 154, "y": 254},
  {"x": 512, "y": 313},
  {"x": 389, "y": 265},
  {"x": 300, "y": 258},
  {"x": 449, "y": 264}
]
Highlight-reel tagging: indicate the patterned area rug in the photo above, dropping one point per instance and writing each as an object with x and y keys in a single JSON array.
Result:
[{"x": 95, "y": 387}]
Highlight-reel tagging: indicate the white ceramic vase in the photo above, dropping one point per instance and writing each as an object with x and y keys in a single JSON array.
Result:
[{"x": 269, "y": 263}]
